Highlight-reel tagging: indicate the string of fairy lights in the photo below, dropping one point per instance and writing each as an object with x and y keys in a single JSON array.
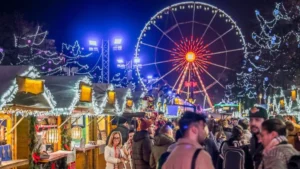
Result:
[{"x": 266, "y": 59}]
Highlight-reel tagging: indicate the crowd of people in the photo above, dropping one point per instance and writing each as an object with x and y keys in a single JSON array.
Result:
[{"x": 195, "y": 141}]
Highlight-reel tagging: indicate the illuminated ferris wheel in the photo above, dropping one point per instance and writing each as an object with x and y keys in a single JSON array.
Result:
[{"x": 189, "y": 46}]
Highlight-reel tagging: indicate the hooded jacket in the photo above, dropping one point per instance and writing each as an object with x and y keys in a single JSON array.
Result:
[
  {"x": 161, "y": 144},
  {"x": 278, "y": 157},
  {"x": 141, "y": 150}
]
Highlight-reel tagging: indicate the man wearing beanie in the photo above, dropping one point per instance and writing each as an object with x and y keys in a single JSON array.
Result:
[
  {"x": 142, "y": 145},
  {"x": 258, "y": 114}
]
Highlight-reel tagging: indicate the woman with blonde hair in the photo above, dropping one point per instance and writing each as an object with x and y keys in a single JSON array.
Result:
[{"x": 113, "y": 153}]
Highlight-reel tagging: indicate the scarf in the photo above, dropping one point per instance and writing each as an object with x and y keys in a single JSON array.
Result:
[{"x": 275, "y": 141}]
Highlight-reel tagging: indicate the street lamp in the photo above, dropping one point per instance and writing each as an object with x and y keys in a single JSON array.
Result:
[
  {"x": 118, "y": 44},
  {"x": 120, "y": 63},
  {"x": 93, "y": 46},
  {"x": 260, "y": 97}
]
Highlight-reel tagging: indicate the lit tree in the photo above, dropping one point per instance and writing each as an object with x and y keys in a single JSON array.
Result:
[
  {"x": 25, "y": 43},
  {"x": 273, "y": 57}
]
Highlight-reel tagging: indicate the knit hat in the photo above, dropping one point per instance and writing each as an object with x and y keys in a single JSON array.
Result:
[
  {"x": 145, "y": 124},
  {"x": 258, "y": 111}
]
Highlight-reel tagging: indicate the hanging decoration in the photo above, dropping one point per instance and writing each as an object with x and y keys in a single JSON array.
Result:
[
  {"x": 52, "y": 136},
  {"x": 76, "y": 132}
]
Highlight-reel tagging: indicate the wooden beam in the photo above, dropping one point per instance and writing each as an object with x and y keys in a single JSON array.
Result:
[
  {"x": 12, "y": 129},
  {"x": 64, "y": 122}
]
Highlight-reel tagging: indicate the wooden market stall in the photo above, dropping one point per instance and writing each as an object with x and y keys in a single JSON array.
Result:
[
  {"x": 23, "y": 95},
  {"x": 75, "y": 110},
  {"x": 105, "y": 102}
]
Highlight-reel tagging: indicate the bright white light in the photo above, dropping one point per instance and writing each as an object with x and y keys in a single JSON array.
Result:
[
  {"x": 136, "y": 60},
  {"x": 92, "y": 43},
  {"x": 149, "y": 77},
  {"x": 120, "y": 60},
  {"x": 118, "y": 41}
]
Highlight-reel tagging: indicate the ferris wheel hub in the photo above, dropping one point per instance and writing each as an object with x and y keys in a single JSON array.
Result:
[{"x": 190, "y": 57}]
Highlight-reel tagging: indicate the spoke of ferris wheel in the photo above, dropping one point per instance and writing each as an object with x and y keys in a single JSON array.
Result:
[
  {"x": 178, "y": 79},
  {"x": 177, "y": 24},
  {"x": 211, "y": 76},
  {"x": 208, "y": 26},
  {"x": 189, "y": 81},
  {"x": 160, "y": 48},
  {"x": 193, "y": 20},
  {"x": 225, "y": 51},
  {"x": 208, "y": 62},
  {"x": 154, "y": 63},
  {"x": 218, "y": 38},
  {"x": 202, "y": 85},
  {"x": 166, "y": 35},
  {"x": 169, "y": 72},
  {"x": 182, "y": 78}
]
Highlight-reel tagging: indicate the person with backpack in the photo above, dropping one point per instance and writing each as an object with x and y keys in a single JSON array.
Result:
[
  {"x": 163, "y": 158},
  {"x": 188, "y": 153},
  {"x": 235, "y": 151},
  {"x": 277, "y": 152},
  {"x": 161, "y": 143},
  {"x": 258, "y": 114}
]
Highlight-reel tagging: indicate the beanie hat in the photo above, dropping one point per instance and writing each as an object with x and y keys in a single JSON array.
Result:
[
  {"x": 258, "y": 112},
  {"x": 145, "y": 124}
]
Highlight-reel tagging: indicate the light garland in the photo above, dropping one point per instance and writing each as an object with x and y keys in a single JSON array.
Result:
[
  {"x": 9, "y": 95},
  {"x": 37, "y": 56},
  {"x": 269, "y": 55}
]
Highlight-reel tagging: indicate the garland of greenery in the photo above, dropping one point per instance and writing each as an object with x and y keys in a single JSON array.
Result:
[
  {"x": 66, "y": 138},
  {"x": 32, "y": 144}
]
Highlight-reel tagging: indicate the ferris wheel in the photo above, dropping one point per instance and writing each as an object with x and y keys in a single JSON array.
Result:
[{"x": 189, "y": 46}]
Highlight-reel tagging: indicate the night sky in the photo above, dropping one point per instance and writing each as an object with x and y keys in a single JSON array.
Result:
[{"x": 70, "y": 20}]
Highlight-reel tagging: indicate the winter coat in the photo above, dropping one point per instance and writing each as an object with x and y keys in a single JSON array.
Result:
[
  {"x": 256, "y": 150},
  {"x": 109, "y": 156},
  {"x": 211, "y": 147},
  {"x": 161, "y": 144},
  {"x": 247, "y": 135},
  {"x": 181, "y": 156},
  {"x": 227, "y": 132},
  {"x": 124, "y": 132},
  {"x": 141, "y": 150},
  {"x": 278, "y": 157},
  {"x": 163, "y": 158}
]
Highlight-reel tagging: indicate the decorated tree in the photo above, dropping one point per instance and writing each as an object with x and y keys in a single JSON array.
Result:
[
  {"x": 24, "y": 43},
  {"x": 78, "y": 61},
  {"x": 273, "y": 58}
]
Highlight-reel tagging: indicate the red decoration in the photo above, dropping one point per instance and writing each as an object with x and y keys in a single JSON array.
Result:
[
  {"x": 67, "y": 147},
  {"x": 190, "y": 84},
  {"x": 36, "y": 158}
]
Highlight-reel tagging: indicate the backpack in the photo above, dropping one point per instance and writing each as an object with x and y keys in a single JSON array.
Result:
[
  {"x": 294, "y": 162},
  {"x": 233, "y": 157},
  {"x": 162, "y": 159}
]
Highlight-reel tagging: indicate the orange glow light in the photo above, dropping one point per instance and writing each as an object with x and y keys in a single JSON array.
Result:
[{"x": 190, "y": 57}]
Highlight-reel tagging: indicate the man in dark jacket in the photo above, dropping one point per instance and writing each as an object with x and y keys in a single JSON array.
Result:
[
  {"x": 257, "y": 115},
  {"x": 123, "y": 128},
  {"x": 142, "y": 144}
]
